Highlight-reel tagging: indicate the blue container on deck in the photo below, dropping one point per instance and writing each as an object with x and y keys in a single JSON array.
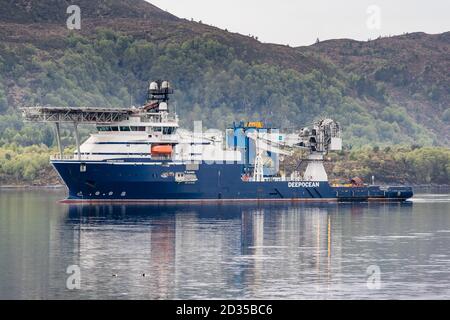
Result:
[{"x": 236, "y": 138}]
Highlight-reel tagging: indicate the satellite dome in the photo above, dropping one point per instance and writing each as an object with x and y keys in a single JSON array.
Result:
[
  {"x": 163, "y": 106},
  {"x": 153, "y": 86},
  {"x": 165, "y": 85}
]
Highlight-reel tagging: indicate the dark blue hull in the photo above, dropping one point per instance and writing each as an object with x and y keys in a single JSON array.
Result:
[{"x": 151, "y": 181}]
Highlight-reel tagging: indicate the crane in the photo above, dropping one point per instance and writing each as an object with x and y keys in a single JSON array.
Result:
[{"x": 324, "y": 136}]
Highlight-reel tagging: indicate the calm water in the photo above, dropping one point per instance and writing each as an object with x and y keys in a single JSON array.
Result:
[{"x": 224, "y": 251}]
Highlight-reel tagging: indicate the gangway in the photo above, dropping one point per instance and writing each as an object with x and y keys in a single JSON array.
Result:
[{"x": 76, "y": 116}]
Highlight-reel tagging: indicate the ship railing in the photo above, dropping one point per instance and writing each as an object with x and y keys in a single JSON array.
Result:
[
  {"x": 73, "y": 157},
  {"x": 63, "y": 157},
  {"x": 157, "y": 118},
  {"x": 89, "y": 157},
  {"x": 271, "y": 179}
]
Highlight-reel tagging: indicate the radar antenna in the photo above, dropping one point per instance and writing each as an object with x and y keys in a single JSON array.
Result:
[{"x": 158, "y": 95}]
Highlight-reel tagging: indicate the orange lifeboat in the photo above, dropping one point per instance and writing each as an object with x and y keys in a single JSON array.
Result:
[{"x": 165, "y": 149}]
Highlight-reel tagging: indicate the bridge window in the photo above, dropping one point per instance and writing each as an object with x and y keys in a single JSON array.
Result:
[
  {"x": 134, "y": 128},
  {"x": 124, "y": 128},
  {"x": 104, "y": 128},
  {"x": 114, "y": 128},
  {"x": 168, "y": 130}
]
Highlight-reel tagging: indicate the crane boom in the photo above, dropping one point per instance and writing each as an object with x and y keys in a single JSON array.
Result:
[{"x": 324, "y": 136}]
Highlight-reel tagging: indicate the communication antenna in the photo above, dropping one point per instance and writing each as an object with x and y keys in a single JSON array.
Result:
[{"x": 159, "y": 91}]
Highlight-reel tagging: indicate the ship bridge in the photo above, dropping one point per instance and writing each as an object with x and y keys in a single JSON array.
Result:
[{"x": 75, "y": 116}]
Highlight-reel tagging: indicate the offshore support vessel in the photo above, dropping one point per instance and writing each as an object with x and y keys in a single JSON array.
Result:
[{"x": 141, "y": 154}]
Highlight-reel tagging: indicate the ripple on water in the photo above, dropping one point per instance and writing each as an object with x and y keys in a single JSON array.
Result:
[{"x": 193, "y": 252}]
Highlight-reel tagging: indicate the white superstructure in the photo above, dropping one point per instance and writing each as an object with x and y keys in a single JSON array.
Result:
[{"x": 152, "y": 133}]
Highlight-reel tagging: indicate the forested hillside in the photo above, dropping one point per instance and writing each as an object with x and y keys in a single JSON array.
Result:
[
  {"x": 411, "y": 70},
  {"x": 384, "y": 92}
]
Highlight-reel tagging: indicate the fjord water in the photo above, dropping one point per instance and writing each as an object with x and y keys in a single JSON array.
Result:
[{"x": 273, "y": 251}]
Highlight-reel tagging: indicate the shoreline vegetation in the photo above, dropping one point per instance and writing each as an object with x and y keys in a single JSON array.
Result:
[
  {"x": 32, "y": 187},
  {"x": 29, "y": 167}
]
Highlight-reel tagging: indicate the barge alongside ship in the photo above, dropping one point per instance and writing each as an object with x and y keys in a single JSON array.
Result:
[{"x": 141, "y": 154}]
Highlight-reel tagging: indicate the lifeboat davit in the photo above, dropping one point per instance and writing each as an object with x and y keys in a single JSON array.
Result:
[{"x": 165, "y": 149}]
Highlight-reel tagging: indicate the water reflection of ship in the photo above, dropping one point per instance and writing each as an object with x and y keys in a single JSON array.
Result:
[
  {"x": 218, "y": 246},
  {"x": 140, "y": 252},
  {"x": 361, "y": 208},
  {"x": 300, "y": 236},
  {"x": 160, "y": 242}
]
